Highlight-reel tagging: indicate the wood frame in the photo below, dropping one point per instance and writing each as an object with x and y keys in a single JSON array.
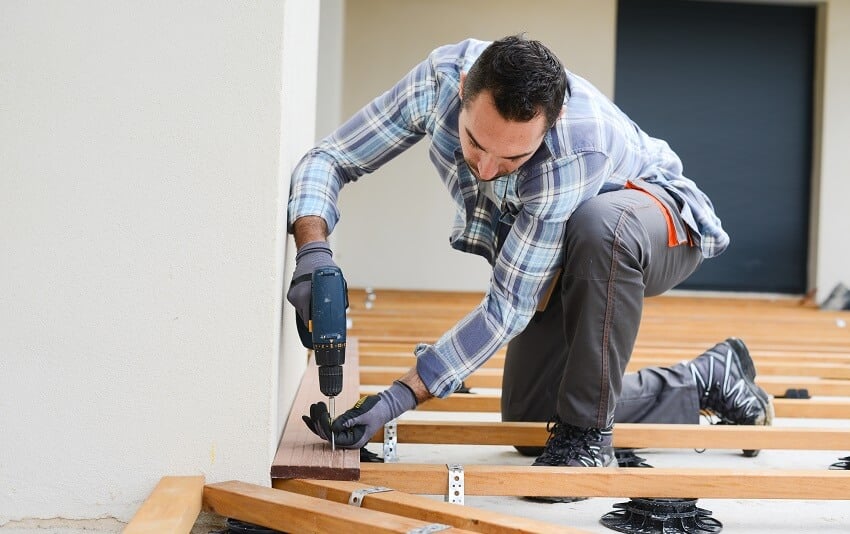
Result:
[{"x": 823, "y": 373}]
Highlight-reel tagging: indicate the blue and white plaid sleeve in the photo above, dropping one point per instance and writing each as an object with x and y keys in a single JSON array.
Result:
[{"x": 383, "y": 129}]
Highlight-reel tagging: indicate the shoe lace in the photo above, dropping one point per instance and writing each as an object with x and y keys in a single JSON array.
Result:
[{"x": 568, "y": 442}]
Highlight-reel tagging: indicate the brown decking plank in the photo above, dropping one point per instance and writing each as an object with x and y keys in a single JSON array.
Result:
[{"x": 302, "y": 454}]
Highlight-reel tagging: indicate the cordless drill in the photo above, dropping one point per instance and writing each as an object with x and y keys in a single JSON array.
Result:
[{"x": 325, "y": 332}]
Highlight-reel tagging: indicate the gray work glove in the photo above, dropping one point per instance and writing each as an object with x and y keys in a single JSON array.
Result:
[
  {"x": 354, "y": 428},
  {"x": 310, "y": 257}
]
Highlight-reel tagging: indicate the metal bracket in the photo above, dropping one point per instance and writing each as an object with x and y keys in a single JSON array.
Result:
[
  {"x": 433, "y": 527},
  {"x": 391, "y": 442},
  {"x": 455, "y": 495},
  {"x": 357, "y": 496}
]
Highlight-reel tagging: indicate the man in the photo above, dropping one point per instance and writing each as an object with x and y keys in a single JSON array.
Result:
[{"x": 553, "y": 184}]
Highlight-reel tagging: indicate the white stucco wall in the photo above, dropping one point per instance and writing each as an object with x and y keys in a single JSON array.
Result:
[
  {"x": 141, "y": 244},
  {"x": 298, "y": 132}
]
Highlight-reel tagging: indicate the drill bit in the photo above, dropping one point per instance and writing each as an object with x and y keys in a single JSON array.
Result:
[{"x": 332, "y": 415}]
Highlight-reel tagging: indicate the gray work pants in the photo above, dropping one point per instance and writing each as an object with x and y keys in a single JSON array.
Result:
[{"x": 572, "y": 357}]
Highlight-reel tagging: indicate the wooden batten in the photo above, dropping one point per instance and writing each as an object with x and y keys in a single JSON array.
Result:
[
  {"x": 295, "y": 513},
  {"x": 627, "y": 435},
  {"x": 172, "y": 507},
  {"x": 613, "y": 482},
  {"x": 423, "y": 508}
]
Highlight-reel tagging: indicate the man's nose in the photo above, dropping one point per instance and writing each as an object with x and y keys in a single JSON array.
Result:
[{"x": 487, "y": 167}]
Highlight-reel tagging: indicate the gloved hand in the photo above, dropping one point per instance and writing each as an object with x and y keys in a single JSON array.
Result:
[
  {"x": 354, "y": 428},
  {"x": 310, "y": 257}
]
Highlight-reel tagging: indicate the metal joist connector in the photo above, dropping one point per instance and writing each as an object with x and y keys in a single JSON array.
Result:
[
  {"x": 357, "y": 496},
  {"x": 455, "y": 494},
  {"x": 433, "y": 527},
  {"x": 391, "y": 442}
]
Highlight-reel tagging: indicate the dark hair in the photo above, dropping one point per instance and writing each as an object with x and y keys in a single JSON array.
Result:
[{"x": 523, "y": 76}]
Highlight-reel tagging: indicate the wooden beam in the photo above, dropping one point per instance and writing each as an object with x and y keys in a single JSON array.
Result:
[
  {"x": 773, "y": 376},
  {"x": 613, "y": 482},
  {"x": 295, "y": 514},
  {"x": 627, "y": 435},
  {"x": 302, "y": 454},
  {"x": 423, "y": 508},
  {"x": 172, "y": 507},
  {"x": 817, "y": 408}
]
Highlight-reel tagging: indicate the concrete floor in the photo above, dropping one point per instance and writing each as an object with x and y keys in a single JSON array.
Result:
[{"x": 737, "y": 516}]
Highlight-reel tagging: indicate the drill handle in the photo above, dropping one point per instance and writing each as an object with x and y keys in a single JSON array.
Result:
[{"x": 304, "y": 332}]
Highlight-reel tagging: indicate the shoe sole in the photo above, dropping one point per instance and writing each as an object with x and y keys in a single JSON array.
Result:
[
  {"x": 745, "y": 361},
  {"x": 748, "y": 369}
]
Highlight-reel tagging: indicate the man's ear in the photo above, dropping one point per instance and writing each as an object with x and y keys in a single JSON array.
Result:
[{"x": 460, "y": 89}]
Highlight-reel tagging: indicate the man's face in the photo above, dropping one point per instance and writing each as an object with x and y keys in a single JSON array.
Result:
[{"x": 493, "y": 146}]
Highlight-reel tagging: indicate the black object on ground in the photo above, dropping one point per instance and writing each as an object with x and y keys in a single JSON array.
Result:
[
  {"x": 368, "y": 456},
  {"x": 842, "y": 463},
  {"x": 236, "y": 526},
  {"x": 661, "y": 516},
  {"x": 628, "y": 458}
]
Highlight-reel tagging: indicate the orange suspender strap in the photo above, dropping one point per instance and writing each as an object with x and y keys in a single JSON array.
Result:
[{"x": 672, "y": 240}]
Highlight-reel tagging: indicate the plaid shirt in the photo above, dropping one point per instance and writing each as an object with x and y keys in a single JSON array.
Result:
[{"x": 518, "y": 222}]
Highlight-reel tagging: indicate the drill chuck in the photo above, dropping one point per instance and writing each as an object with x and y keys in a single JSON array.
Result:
[{"x": 330, "y": 380}]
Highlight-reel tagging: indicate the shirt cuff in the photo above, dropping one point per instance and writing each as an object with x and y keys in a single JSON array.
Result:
[{"x": 438, "y": 377}]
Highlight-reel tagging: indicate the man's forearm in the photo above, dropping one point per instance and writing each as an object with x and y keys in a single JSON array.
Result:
[
  {"x": 420, "y": 390},
  {"x": 310, "y": 228}
]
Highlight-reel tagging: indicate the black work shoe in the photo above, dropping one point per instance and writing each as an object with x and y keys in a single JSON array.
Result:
[
  {"x": 724, "y": 377},
  {"x": 573, "y": 446}
]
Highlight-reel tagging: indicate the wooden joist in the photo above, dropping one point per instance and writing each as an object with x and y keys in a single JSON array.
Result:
[
  {"x": 490, "y": 376},
  {"x": 423, "y": 508},
  {"x": 816, "y": 408},
  {"x": 632, "y": 436},
  {"x": 613, "y": 482},
  {"x": 172, "y": 507},
  {"x": 302, "y": 454},
  {"x": 295, "y": 513}
]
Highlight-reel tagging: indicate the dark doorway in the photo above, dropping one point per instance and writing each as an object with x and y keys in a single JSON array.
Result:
[{"x": 729, "y": 87}]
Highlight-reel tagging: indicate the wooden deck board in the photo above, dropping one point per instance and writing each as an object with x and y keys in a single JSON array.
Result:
[{"x": 302, "y": 454}]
